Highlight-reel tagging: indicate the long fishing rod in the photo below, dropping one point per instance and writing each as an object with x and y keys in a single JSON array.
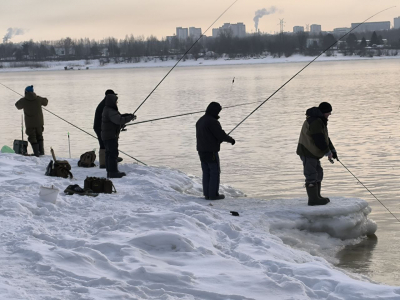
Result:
[
  {"x": 305, "y": 67},
  {"x": 186, "y": 114},
  {"x": 73, "y": 124},
  {"x": 183, "y": 56},
  {"x": 369, "y": 191}
]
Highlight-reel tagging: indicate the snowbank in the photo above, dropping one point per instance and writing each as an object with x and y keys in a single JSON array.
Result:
[
  {"x": 157, "y": 238},
  {"x": 83, "y": 65}
]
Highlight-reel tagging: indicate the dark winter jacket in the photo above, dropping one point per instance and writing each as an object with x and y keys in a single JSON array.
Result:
[
  {"x": 112, "y": 120},
  {"x": 98, "y": 115},
  {"x": 32, "y": 106},
  {"x": 314, "y": 140},
  {"x": 209, "y": 133}
]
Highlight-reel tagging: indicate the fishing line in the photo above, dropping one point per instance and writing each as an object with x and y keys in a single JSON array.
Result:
[
  {"x": 369, "y": 191},
  {"x": 183, "y": 56},
  {"x": 186, "y": 114},
  {"x": 73, "y": 124},
  {"x": 306, "y": 67}
]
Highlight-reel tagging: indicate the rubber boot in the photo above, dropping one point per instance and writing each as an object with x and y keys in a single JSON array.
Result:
[
  {"x": 116, "y": 174},
  {"x": 219, "y": 197},
  {"x": 41, "y": 148},
  {"x": 35, "y": 148},
  {"x": 319, "y": 193},
  {"x": 312, "y": 192},
  {"x": 102, "y": 158}
]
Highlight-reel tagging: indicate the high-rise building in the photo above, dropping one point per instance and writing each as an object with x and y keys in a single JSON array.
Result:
[
  {"x": 194, "y": 33},
  {"x": 397, "y": 23},
  {"x": 315, "y": 28},
  {"x": 371, "y": 26},
  {"x": 181, "y": 33},
  {"x": 341, "y": 30},
  {"x": 298, "y": 29},
  {"x": 237, "y": 30}
]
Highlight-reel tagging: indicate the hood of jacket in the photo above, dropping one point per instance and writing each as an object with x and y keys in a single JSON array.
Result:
[
  {"x": 314, "y": 113},
  {"x": 30, "y": 96},
  {"x": 213, "y": 109},
  {"x": 111, "y": 101}
]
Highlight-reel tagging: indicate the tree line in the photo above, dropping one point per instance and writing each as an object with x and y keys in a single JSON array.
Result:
[{"x": 132, "y": 49}]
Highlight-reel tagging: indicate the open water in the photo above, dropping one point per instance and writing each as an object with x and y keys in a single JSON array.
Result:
[{"x": 364, "y": 127}]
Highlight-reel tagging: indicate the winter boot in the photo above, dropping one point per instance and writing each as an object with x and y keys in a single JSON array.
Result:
[
  {"x": 35, "y": 148},
  {"x": 41, "y": 148},
  {"x": 102, "y": 158},
  {"x": 312, "y": 192},
  {"x": 218, "y": 197},
  {"x": 116, "y": 174},
  {"x": 319, "y": 193}
]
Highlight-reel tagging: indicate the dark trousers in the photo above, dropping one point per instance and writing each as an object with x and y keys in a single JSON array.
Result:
[
  {"x": 111, "y": 155},
  {"x": 101, "y": 143},
  {"x": 312, "y": 169},
  {"x": 211, "y": 173},
  {"x": 35, "y": 134}
]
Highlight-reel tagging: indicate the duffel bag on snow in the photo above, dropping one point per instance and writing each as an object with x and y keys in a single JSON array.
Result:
[{"x": 99, "y": 185}]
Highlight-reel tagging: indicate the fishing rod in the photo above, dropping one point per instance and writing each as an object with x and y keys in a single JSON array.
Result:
[
  {"x": 305, "y": 68},
  {"x": 73, "y": 124},
  {"x": 183, "y": 56},
  {"x": 369, "y": 191},
  {"x": 186, "y": 114}
]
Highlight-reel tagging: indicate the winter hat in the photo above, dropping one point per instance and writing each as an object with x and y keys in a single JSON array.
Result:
[
  {"x": 325, "y": 107},
  {"x": 108, "y": 92},
  {"x": 29, "y": 89}
]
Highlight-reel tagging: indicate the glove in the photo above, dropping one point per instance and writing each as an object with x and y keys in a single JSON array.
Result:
[
  {"x": 334, "y": 155},
  {"x": 123, "y": 128},
  {"x": 233, "y": 142},
  {"x": 131, "y": 117}
]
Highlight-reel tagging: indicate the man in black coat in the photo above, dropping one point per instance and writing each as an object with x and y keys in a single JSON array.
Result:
[
  {"x": 209, "y": 135},
  {"x": 98, "y": 116},
  {"x": 112, "y": 121}
]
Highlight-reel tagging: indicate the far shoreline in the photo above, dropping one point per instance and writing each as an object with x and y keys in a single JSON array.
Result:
[{"x": 85, "y": 65}]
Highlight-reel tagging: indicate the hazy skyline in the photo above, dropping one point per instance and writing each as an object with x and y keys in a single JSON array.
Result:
[{"x": 53, "y": 19}]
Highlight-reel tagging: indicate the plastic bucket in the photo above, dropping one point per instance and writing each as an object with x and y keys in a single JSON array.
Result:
[{"x": 48, "y": 194}]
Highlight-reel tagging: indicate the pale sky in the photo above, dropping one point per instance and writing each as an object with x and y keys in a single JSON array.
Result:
[{"x": 56, "y": 19}]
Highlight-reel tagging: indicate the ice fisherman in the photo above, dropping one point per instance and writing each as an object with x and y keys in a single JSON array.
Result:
[
  {"x": 314, "y": 144},
  {"x": 112, "y": 122},
  {"x": 34, "y": 122},
  {"x": 209, "y": 135},
  {"x": 98, "y": 116}
]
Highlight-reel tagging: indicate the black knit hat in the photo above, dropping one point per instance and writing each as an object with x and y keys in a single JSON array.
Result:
[
  {"x": 325, "y": 107},
  {"x": 108, "y": 92}
]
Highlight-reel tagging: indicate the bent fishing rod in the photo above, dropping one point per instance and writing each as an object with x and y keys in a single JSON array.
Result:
[
  {"x": 148, "y": 96},
  {"x": 283, "y": 85},
  {"x": 73, "y": 124},
  {"x": 186, "y": 114}
]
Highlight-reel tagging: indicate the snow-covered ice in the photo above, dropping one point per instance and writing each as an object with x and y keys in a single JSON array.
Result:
[{"x": 157, "y": 238}]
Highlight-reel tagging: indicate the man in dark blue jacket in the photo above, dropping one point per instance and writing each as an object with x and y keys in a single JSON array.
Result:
[{"x": 209, "y": 135}]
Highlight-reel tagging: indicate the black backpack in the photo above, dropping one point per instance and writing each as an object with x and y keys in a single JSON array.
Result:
[{"x": 87, "y": 159}]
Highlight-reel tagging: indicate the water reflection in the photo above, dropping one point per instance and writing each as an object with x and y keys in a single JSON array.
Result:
[{"x": 358, "y": 258}]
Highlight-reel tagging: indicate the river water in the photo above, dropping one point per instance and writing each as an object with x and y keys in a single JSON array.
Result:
[{"x": 363, "y": 127}]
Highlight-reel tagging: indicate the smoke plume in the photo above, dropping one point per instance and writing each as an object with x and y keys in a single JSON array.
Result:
[
  {"x": 11, "y": 32},
  {"x": 262, "y": 12}
]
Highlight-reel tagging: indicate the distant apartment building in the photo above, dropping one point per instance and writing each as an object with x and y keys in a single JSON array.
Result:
[
  {"x": 371, "y": 26},
  {"x": 298, "y": 29},
  {"x": 194, "y": 33},
  {"x": 341, "y": 30},
  {"x": 315, "y": 28},
  {"x": 312, "y": 42},
  {"x": 181, "y": 33},
  {"x": 397, "y": 23},
  {"x": 237, "y": 30}
]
